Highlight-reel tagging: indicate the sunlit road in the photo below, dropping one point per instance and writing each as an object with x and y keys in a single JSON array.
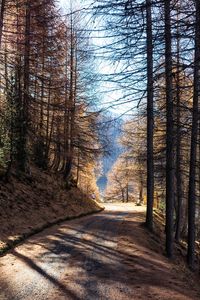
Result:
[{"x": 103, "y": 256}]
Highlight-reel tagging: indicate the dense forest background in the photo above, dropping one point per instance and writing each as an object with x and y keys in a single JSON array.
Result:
[
  {"x": 48, "y": 114},
  {"x": 155, "y": 48}
]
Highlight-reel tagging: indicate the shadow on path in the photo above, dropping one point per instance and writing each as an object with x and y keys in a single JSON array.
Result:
[{"x": 103, "y": 252}]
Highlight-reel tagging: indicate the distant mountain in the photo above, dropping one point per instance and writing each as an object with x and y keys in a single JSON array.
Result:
[{"x": 113, "y": 134}]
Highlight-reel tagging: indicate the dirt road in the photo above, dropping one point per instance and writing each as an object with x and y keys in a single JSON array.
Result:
[{"x": 103, "y": 256}]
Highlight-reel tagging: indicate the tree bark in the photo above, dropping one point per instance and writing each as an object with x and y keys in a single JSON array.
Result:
[
  {"x": 150, "y": 119},
  {"x": 179, "y": 192},
  {"x": 193, "y": 151},
  {"x": 72, "y": 88},
  {"x": 3, "y": 5},
  {"x": 169, "y": 133},
  {"x": 25, "y": 112},
  {"x": 127, "y": 192}
]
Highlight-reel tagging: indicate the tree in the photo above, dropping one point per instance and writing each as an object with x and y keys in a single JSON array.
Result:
[
  {"x": 2, "y": 12},
  {"x": 169, "y": 132},
  {"x": 120, "y": 186},
  {"x": 150, "y": 118},
  {"x": 47, "y": 96},
  {"x": 194, "y": 139}
]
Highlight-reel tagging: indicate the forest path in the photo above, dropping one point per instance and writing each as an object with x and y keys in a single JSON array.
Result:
[{"x": 102, "y": 256}]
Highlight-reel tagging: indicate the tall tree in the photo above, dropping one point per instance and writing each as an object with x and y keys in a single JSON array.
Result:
[
  {"x": 150, "y": 118},
  {"x": 169, "y": 132},
  {"x": 26, "y": 83},
  {"x": 179, "y": 182},
  {"x": 194, "y": 139},
  {"x": 2, "y": 12}
]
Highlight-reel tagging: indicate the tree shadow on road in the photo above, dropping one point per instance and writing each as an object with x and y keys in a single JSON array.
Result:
[{"x": 106, "y": 251}]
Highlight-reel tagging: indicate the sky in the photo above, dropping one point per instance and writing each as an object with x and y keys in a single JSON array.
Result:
[{"x": 109, "y": 92}]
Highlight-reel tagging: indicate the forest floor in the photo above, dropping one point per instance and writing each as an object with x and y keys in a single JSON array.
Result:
[
  {"x": 29, "y": 204},
  {"x": 108, "y": 256}
]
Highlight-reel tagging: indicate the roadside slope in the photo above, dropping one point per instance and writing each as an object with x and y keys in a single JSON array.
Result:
[
  {"x": 32, "y": 203},
  {"x": 151, "y": 274}
]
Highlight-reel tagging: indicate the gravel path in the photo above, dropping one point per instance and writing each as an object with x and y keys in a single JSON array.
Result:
[{"x": 104, "y": 256}]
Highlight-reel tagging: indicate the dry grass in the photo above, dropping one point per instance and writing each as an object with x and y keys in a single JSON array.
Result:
[
  {"x": 30, "y": 204},
  {"x": 180, "y": 248}
]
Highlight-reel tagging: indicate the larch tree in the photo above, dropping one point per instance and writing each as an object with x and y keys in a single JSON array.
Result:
[
  {"x": 2, "y": 12},
  {"x": 169, "y": 132},
  {"x": 48, "y": 110},
  {"x": 150, "y": 117},
  {"x": 194, "y": 140}
]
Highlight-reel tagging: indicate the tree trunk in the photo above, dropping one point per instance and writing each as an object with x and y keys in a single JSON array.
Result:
[
  {"x": 127, "y": 193},
  {"x": 25, "y": 112},
  {"x": 150, "y": 119},
  {"x": 123, "y": 199},
  {"x": 72, "y": 87},
  {"x": 141, "y": 194},
  {"x": 169, "y": 133},
  {"x": 3, "y": 5},
  {"x": 179, "y": 193},
  {"x": 193, "y": 151}
]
